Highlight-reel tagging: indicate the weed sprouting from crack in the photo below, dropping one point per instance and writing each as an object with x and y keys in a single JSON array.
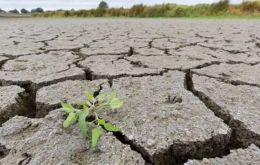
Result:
[{"x": 87, "y": 116}]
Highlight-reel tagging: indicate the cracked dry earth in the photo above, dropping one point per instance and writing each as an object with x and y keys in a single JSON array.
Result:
[{"x": 191, "y": 90}]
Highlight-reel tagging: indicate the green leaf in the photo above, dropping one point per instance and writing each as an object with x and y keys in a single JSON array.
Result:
[
  {"x": 90, "y": 96},
  {"x": 71, "y": 119},
  {"x": 112, "y": 96},
  {"x": 67, "y": 107},
  {"x": 82, "y": 122},
  {"x": 85, "y": 108},
  {"x": 102, "y": 97},
  {"x": 115, "y": 103},
  {"x": 88, "y": 103},
  {"x": 101, "y": 121},
  {"x": 111, "y": 127},
  {"x": 96, "y": 133}
]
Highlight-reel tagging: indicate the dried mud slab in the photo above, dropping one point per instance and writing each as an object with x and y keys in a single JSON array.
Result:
[
  {"x": 168, "y": 62},
  {"x": 106, "y": 47},
  {"x": 237, "y": 105},
  {"x": 19, "y": 47},
  {"x": 250, "y": 155},
  {"x": 44, "y": 141},
  {"x": 50, "y": 97},
  {"x": 217, "y": 55},
  {"x": 114, "y": 44},
  {"x": 10, "y": 99},
  {"x": 232, "y": 46},
  {"x": 236, "y": 73},
  {"x": 149, "y": 52},
  {"x": 66, "y": 43},
  {"x": 114, "y": 66},
  {"x": 166, "y": 122},
  {"x": 41, "y": 69},
  {"x": 174, "y": 43}
]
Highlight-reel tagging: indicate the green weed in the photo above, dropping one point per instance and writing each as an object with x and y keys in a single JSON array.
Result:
[{"x": 91, "y": 107}]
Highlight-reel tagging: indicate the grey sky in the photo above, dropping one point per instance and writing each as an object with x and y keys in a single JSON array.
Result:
[{"x": 87, "y": 4}]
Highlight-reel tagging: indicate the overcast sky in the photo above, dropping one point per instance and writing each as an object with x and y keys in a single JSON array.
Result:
[{"x": 87, "y": 4}]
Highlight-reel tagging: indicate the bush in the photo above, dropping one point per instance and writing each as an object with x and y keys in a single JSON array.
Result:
[
  {"x": 251, "y": 6},
  {"x": 15, "y": 11},
  {"x": 201, "y": 9},
  {"x": 180, "y": 12},
  {"x": 219, "y": 7},
  {"x": 137, "y": 11},
  {"x": 100, "y": 12}
]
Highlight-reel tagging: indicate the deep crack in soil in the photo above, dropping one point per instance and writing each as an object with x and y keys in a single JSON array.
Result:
[
  {"x": 3, "y": 151},
  {"x": 239, "y": 130}
]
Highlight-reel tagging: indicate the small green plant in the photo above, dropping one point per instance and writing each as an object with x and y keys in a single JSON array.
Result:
[{"x": 89, "y": 110}]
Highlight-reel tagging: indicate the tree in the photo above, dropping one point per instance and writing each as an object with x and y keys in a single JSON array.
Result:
[
  {"x": 15, "y": 11},
  {"x": 37, "y": 10},
  {"x": 24, "y": 11},
  {"x": 103, "y": 5}
]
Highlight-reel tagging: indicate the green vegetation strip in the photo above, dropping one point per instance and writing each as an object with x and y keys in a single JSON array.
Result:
[{"x": 222, "y": 9}]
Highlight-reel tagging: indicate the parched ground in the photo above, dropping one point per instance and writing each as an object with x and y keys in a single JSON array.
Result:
[{"x": 191, "y": 90}]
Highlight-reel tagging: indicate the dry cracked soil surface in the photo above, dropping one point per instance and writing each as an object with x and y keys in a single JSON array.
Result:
[{"x": 191, "y": 90}]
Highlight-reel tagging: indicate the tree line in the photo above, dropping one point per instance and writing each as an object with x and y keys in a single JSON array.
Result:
[{"x": 222, "y": 7}]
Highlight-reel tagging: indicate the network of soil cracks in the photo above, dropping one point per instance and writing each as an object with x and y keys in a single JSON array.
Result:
[{"x": 191, "y": 90}]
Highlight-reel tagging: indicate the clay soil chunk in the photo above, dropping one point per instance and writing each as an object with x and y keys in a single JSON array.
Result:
[
  {"x": 41, "y": 69},
  {"x": 23, "y": 47},
  {"x": 9, "y": 102},
  {"x": 237, "y": 105},
  {"x": 50, "y": 97},
  {"x": 166, "y": 121},
  {"x": 250, "y": 155},
  {"x": 169, "y": 62},
  {"x": 44, "y": 141},
  {"x": 217, "y": 55},
  {"x": 107, "y": 47},
  {"x": 110, "y": 65},
  {"x": 238, "y": 73},
  {"x": 150, "y": 52}
]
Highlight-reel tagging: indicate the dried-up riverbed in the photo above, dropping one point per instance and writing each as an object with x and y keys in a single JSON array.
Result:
[{"x": 191, "y": 90}]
